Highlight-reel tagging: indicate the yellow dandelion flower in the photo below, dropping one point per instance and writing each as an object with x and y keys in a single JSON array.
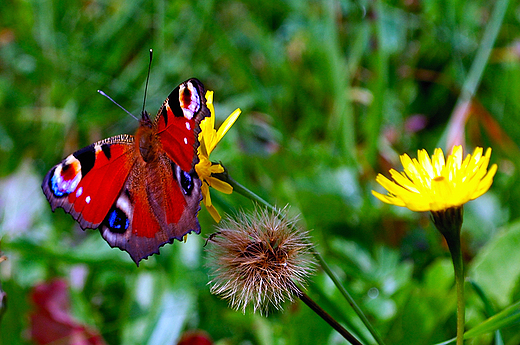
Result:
[
  {"x": 442, "y": 187},
  {"x": 209, "y": 138},
  {"x": 435, "y": 184}
]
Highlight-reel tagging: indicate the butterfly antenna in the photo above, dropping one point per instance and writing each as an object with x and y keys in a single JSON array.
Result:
[
  {"x": 126, "y": 111},
  {"x": 147, "y": 79}
]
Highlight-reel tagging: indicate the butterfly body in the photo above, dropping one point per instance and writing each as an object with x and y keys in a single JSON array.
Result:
[{"x": 141, "y": 191}]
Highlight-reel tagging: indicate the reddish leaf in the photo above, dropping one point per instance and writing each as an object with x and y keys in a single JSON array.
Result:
[{"x": 51, "y": 321}]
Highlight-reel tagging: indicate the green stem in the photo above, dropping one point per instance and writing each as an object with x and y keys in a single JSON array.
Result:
[
  {"x": 458, "y": 266},
  {"x": 237, "y": 187},
  {"x": 449, "y": 223}
]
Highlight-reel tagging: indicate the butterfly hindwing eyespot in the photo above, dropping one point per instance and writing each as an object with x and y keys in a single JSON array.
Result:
[
  {"x": 117, "y": 221},
  {"x": 186, "y": 180},
  {"x": 118, "y": 218}
]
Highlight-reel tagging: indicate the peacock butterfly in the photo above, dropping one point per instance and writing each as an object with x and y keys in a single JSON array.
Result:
[{"x": 141, "y": 191}]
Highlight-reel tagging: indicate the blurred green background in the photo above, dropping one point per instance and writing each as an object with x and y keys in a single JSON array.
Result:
[{"x": 331, "y": 93}]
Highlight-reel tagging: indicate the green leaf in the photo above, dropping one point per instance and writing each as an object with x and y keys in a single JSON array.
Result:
[
  {"x": 506, "y": 317},
  {"x": 492, "y": 268}
]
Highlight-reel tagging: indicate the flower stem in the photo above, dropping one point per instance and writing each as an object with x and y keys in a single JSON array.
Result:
[
  {"x": 449, "y": 223},
  {"x": 329, "y": 319},
  {"x": 456, "y": 257},
  {"x": 237, "y": 187}
]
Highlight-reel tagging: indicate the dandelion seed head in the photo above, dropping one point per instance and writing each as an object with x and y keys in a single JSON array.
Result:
[{"x": 259, "y": 259}]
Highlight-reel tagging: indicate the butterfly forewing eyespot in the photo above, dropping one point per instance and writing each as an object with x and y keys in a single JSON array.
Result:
[
  {"x": 189, "y": 100},
  {"x": 68, "y": 174},
  {"x": 184, "y": 101},
  {"x": 65, "y": 177}
]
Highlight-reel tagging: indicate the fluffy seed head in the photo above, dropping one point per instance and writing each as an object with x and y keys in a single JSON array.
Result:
[{"x": 259, "y": 259}]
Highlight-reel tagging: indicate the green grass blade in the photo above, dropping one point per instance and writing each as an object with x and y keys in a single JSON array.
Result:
[
  {"x": 506, "y": 317},
  {"x": 476, "y": 71}
]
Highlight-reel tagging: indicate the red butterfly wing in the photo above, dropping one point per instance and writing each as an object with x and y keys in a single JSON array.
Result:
[
  {"x": 178, "y": 123},
  {"x": 87, "y": 182}
]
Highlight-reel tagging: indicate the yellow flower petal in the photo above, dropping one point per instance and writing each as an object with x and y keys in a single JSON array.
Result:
[
  {"x": 426, "y": 163},
  {"x": 402, "y": 180},
  {"x": 438, "y": 161},
  {"x": 226, "y": 125},
  {"x": 208, "y": 139},
  {"x": 221, "y": 186},
  {"x": 436, "y": 183},
  {"x": 214, "y": 213},
  {"x": 388, "y": 199},
  {"x": 216, "y": 169},
  {"x": 206, "y": 196}
]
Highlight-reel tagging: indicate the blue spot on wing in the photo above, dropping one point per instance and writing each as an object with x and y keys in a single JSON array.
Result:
[
  {"x": 55, "y": 188},
  {"x": 117, "y": 221}
]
